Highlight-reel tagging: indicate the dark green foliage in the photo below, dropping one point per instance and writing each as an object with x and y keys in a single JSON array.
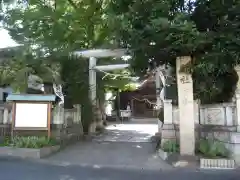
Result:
[
  {"x": 159, "y": 31},
  {"x": 215, "y": 87},
  {"x": 29, "y": 142},
  {"x": 171, "y": 146},
  {"x": 156, "y": 32},
  {"x": 212, "y": 149}
]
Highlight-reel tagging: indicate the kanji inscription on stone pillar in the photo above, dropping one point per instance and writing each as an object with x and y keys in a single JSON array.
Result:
[{"x": 186, "y": 109}]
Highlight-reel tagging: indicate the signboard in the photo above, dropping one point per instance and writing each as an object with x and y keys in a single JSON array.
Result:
[
  {"x": 31, "y": 115},
  {"x": 31, "y": 112}
]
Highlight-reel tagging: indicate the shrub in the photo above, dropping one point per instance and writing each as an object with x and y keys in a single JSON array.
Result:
[
  {"x": 29, "y": 142},
  {"x": 212, "y": 148},
  {"x": 170, "y": 146}
]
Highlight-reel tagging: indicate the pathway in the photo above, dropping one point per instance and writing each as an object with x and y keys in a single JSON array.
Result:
[
  {"x": 136, "y": 130},
  {"x": 27, "y": 170},
  {"x": 121, "y": 146}
]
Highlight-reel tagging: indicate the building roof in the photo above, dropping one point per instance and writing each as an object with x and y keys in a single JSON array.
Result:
[{"x": 31, "y": 97}]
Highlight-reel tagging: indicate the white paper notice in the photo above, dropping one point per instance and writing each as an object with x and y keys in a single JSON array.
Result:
[{"x": 31, "y": 115}]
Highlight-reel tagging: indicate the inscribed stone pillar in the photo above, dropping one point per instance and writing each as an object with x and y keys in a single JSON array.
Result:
[
  {"x": 186, "y": 109},
  {"x": 237, "y": 96}
]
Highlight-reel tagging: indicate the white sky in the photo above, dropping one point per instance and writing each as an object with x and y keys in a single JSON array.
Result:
[{"x": 6, "y": 40}]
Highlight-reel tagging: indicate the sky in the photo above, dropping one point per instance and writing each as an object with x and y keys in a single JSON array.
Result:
[{"x": 6, "y": 40}]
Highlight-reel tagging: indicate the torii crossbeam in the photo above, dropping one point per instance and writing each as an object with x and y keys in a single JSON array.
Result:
[{"x": 93, "y": 54}]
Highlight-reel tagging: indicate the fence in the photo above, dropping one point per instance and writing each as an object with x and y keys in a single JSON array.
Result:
[
  {"x": 144, "y": 106},
  {"x": 65, "y": 124},
  {"x": 217, "y": 121},
  {"x": 5, "y": 120},
  {"x": 224, "y": 114}
]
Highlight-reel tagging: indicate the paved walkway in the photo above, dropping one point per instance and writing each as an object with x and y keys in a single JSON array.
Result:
[
  {"x": 122, "y": 146},
  {"x": 27, "y": 170},
  {"x": 137, "y": 130}
]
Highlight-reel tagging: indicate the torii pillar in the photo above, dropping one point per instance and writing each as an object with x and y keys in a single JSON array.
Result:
[{"x": 93, "y": 55}]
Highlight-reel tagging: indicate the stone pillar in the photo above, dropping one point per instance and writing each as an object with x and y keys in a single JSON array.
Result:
[
  {"x": 78, "y": 113},
  {"x": 168, "y": 130},
  {"x": 158, "y": 99},
  {"x": 58, "y": 121},
  {"x": 1, "y": 115},
  {"x": 196, "y": 111},
  {"x": 5, "y": 116},
  {"x": 92, "y": 90},
  {"x": 186, "y": 109},
  {"x": 78, "y": 119},
  {"x": 168, "y": 114},
  {"x": 235, "y": 146},
  {"x": 197, "y": 119},
  {"x": 238, "y": 111},
  {"x": 237, "y": 96}
]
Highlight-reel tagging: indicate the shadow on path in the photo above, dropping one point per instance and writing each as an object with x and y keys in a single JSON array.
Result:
[{"x": 125, "y": 145}]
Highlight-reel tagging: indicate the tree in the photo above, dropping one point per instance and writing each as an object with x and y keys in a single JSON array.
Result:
[
  {"x": 50, "y": 30},
  {"x": 159, "y": 31},
  {"x": 17, "y": 64},
  {"x": 156, "y": 31}
]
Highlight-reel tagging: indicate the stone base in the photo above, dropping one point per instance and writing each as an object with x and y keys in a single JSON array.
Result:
[
  {"x": 217, "y": 164},
  {"x": 92, "y": 128},
  {"x": 28, "y": 152},
  {"x": 180, "y": 161},
  {"x": 221, "y": 133},
  {"x": 162, "y": 154},
  {"x": 169, "y": 132}
]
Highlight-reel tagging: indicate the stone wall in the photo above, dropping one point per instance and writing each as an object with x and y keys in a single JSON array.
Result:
[
  {"x": 218, "y": 121},
  {"x": 66, "y": 123},
  {"x": 5, "y": 120}
]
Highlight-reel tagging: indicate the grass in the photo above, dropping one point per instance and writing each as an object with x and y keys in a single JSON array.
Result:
[{"x": 28, "y": 142}]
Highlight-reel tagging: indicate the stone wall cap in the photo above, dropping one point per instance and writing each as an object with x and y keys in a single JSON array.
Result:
[
  {"x": 167, "y": 101},
  {"x": 235, "y": 137}
]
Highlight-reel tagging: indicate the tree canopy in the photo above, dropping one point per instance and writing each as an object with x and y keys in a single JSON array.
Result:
[
  {"x": 50, "y": 30},
  {"x": 156, "y": 32},
  {"x": 159, "y": 31}
]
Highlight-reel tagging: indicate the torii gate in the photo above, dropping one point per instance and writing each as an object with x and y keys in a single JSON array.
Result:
[
  {"x": 115, "y": 53},
  {"x": 93, "y": 54}
]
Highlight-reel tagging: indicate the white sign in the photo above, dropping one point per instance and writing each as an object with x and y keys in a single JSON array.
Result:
[{"x": 31, "y": 115}]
